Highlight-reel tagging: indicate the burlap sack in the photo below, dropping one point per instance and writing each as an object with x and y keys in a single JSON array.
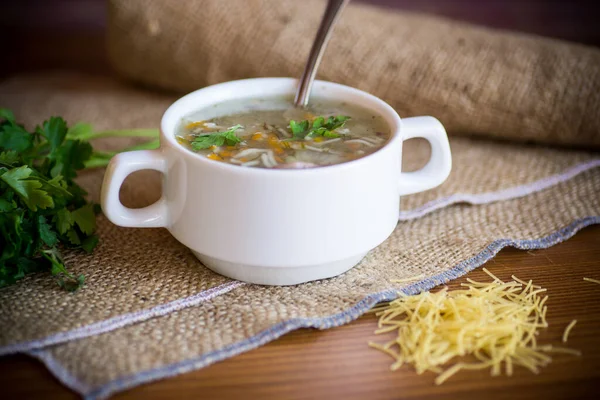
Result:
[{"x": 475, "y": 80}]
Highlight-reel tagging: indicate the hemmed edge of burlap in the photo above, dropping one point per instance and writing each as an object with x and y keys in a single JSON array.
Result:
[
  {"x": 123, "y": 320},
  {"x": 59, "y": 372},
  {"x": 327, "y": 322},
  {"x": 504, "y": 194}
]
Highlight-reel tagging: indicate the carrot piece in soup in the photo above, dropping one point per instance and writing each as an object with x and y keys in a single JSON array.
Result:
[
  {"x": 215, "y": 157},
  {"x": 310, "y": 116},
  {"x": 196, "y": 124}
]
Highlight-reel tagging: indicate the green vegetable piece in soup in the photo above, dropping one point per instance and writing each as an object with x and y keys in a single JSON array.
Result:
[
  {"x": 217, "y": 139},
  {"x": 299, "y": 129},
  {"x": 336, "y": 122}
]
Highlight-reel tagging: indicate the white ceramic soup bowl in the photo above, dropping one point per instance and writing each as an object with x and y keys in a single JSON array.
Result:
[{"x": 277, "y": 227}]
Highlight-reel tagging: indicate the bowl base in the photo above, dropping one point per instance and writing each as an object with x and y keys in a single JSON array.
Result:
[{"x": 278, "y": 276}]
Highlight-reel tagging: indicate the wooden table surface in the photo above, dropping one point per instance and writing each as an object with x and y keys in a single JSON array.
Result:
[{"x": 337, "y": 363}]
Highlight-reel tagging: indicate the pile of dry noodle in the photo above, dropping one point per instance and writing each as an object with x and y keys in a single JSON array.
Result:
[{"x": 495, "y": 324}]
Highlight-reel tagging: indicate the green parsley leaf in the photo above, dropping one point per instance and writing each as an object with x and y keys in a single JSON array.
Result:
[
  {"x": 27, "y": 266},
  {"x": 317, "y": 132},
  {"x": 70, "y": 157},
  {"x": 55, "y": 131},
  {"x": 205, "y": 142},
  {"x": 9, "y": 158},
  {"x": 89, "y": 243},
  {"x": 7, "y": 115},
  {"x": 227, "y": 137},
  {"x": 73, "y": 237},
  {"x": 16, "y": 138},
  {"x": 6, "y": 205},
  {"x": 319, "y": 127},
  {"x": 335, "y": 122},
  {"x": 24, "y": 266},
  {"x": 46, "y": 232},
  {"x": 231, "y": 139},
  {"x": 64, "y": 221},
  {"x": 299, "y": 129},
  {"x": 85, "y": 218},
  {"x": 330, "y": 134},
  {"x": 29, "y": 189},
  {"x": 57, "y": 186}
]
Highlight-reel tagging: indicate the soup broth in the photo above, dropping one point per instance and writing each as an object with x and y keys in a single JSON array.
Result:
[{"x": 271, "y": 133}]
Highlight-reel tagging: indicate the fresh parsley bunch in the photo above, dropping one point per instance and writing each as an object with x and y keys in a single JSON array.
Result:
[
  {"x": 42, "y": 209},
  {"x": 319, "y": 127}
]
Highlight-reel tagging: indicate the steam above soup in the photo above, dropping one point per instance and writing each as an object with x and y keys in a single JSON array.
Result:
[{"x": 271, "y": 133}]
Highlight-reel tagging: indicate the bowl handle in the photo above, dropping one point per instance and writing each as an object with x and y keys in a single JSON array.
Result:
[
  {"x": 439, "y": 165},
  {"x": 120, "y": 166}
]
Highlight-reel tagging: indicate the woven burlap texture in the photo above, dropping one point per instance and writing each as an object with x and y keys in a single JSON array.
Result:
[
  {"x": 475, "y": 80},
  {"x": 252, "y": 315},
  {"x": 136, "y": 270}
]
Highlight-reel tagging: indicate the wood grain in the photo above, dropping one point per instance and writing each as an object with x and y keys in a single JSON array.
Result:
[{"x": 337, "y": 363}]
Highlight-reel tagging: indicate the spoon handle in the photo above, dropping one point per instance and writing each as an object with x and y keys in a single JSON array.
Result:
[{"x": 330, "y": 16}]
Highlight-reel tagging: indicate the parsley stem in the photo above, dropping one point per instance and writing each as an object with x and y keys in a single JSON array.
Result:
[
  {"x": 113, "y": 133},
  {"x": 150, "y": 145},
  {"x": 96, "y": 162},
  {"x": 101, "y": 159},
  {"x": 58, "y": 267}
]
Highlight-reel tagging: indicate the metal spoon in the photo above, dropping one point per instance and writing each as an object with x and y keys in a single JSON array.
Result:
[{"x": 330, "y": 16}]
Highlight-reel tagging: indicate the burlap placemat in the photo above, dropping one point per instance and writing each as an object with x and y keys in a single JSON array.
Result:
[
  {"x": 137, "y": 274},
  {"x": 475, "y": 80},
  {"x": 442, "y": 246}
]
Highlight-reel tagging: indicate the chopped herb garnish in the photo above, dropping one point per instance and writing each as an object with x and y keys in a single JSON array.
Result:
[
  {"x": 208, "y": 140},
  {"x": 335, "y": 122},
  {"x": 299, "y": 129},
  {"x": 319, "y": 127}
]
